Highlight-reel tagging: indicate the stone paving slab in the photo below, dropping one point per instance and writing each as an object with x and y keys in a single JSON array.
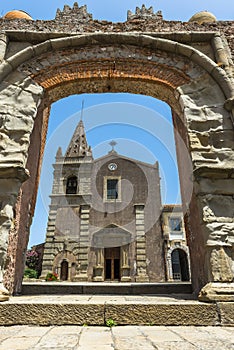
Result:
[
  {"x": 116, "y": 338},
  {"x": 102, "y": 299}
]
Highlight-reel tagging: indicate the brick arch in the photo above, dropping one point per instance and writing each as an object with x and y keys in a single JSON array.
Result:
[
  {"x": 108, "y": 70},
  {"x": 188, "y": 80}
]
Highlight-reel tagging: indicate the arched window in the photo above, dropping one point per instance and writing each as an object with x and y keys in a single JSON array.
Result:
[
  {"x": 180, "y": 267},
  {"x": 71, "y": 186}
]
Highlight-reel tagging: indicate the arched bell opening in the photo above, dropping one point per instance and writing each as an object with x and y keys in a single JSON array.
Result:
[{"x": 71, "y": 185}]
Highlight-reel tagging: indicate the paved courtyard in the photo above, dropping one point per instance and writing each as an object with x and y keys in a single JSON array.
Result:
[{"x": 116, "y": 338}]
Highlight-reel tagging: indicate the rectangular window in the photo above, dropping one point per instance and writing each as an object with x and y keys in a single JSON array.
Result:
[
  {"x": 175, "y": 224},
  {"x": 112, "y": 189}
]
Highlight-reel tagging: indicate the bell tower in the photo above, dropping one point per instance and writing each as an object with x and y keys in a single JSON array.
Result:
[{"x": 69, "y": 209}]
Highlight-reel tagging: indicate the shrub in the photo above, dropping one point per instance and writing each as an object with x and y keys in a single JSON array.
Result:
[
  {"x": 30, "y": 273},
  {"x": 51, "y": 276},
  {"x": 32, "y": 258}
]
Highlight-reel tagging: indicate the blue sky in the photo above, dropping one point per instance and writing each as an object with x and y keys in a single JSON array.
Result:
[
  {"x": 114, "y": 10},
  {"x": 141, "y": 125}
]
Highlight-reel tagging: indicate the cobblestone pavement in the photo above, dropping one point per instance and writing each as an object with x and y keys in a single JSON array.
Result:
[{"x": 116, "y": 338}]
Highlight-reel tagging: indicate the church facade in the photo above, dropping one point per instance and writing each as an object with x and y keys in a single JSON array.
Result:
[{"x": 107, "y": 223}]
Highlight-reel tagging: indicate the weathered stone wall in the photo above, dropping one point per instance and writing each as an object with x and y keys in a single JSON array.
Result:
[
  {"x": 18, "y": 122},
  {"x": 71, "y": 26},
  {"x": 140, "y": 184}
]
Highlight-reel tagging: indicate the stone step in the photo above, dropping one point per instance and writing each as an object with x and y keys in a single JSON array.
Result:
[
  {"x": 177, "y": 310},
  {"x": 104, "y": 288}
]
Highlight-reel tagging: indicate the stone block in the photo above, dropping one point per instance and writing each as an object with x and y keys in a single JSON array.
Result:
[
  {"x": 216, "y": 186},
  {"x": 167, "y": 45},
  {"x": 140, "y": 245},
  {"x": 83, "y": 251},
  {"x": 217, "y": 292},
  {"x": 21, "y": 57},
  {"x": 59, "y": 43},
  {"x": 79, "y": 40},
  {"x": 51, "y": 314},
  {"x": 226, "y": 313},
  {"x": 139, "y": 222},
  {"x": 184, "y": 50},
  {"x": 203, "y": 61},
  {"x": 142, "y": 279},
  {"x": 196, "y": 314},
  {"x": 5, "y": 69},
  {"x": 141, "y": 263},
  {"x": 140, "y": 227},
  {"x": 140, "y": 252},
  {"x": 220, "y": 76},
  {"x": 42, "y": 47}
]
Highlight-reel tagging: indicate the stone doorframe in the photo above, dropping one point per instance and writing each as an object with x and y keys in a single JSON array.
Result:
[
  {"x": 109, "y": 237},
  {"x": 199, "y": 92},
  {"x": 99, "y": 268},
  {"x": 70, "y": 258},
  {"x": 169, "y": 261}
]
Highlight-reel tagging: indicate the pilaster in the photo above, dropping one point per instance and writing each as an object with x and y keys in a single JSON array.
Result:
[
  {"x": 141, "y": 268},
  {"x": 125, "y": 268},
  {"x": 82, "y": 274},
  {"x": 99, "y": 268}
]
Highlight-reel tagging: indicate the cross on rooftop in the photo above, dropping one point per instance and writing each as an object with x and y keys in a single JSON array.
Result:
[{"x": 113, "y": 144}]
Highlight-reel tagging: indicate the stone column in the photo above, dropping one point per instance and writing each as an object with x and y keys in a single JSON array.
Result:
[
  {"x": 219, "y": 258},
  {"x": 219, "y": 245},
  {"x": 141, "y": 271},
  {"x": 10, "y": 183},
  {"x": 69, "y": 271},
  {"x": 169, "y": 266},
  {"x": 48, "y": 256},
  {"x": 125, "y": 268},
  {"x": 83, "y": 262}
]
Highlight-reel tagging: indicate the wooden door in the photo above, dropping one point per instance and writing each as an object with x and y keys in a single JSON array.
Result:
[
  {"x": 112, "y": 264},
  {"x": 64, "y": 271}
]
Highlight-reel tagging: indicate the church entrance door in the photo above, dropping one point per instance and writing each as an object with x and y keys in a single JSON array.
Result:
[{"x": 112, "y": 264}]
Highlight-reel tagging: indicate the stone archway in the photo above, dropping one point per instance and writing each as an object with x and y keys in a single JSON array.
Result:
[
  {"x": 64, "y": 264},
  {"x": 179, "y": 262},
  {"x": 199, "y": 92},
  {"x": 182, "y": 259}
]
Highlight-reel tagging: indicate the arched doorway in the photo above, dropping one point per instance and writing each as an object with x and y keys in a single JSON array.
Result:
[
  {"x": 184, "y": 77},
  {"x": 64, "y": 271},
  {"x": 180, "y": 267}
]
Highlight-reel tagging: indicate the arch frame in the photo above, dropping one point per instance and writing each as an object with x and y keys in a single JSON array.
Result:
[
  {"x": 185, "y": 249},
  {"x": 215, "y": 238}
]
